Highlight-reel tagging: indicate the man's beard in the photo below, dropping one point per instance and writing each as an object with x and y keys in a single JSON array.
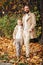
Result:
[{"x": 26, "y": 12}]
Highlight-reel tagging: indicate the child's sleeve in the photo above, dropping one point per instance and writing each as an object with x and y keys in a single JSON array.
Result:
[{"x": 14, "y": 33}]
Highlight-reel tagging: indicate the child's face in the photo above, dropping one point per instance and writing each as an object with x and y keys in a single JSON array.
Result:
[{"x": 19, "y": 22}]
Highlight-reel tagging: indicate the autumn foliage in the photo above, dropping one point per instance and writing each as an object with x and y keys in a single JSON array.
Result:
[{"x": 8, "y": 53}]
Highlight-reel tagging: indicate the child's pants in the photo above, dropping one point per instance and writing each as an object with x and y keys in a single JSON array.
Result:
[
  {"x": 18, "y": 47},
  {"x": 26, "y": 42}
]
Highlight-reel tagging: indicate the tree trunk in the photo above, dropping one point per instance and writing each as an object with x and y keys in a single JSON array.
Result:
[{"x": 41, "y": 11}]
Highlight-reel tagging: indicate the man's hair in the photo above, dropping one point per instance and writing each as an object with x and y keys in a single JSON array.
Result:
[{"x": 27, "y": 5}]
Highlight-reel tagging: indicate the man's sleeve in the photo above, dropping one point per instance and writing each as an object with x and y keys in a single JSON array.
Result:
[{"x": 33, "y": 19}]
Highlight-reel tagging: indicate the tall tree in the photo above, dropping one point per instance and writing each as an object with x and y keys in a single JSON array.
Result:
[{"x": 41, "y": 11}]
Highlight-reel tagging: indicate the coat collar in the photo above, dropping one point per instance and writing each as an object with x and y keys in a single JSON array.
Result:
[{"x": 28, "y": 13}]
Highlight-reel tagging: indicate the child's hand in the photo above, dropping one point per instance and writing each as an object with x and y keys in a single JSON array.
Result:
[{"x": 13, "y": 42}]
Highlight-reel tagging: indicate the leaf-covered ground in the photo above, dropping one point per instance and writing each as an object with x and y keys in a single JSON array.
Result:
[{"x": 8, "y": 53}]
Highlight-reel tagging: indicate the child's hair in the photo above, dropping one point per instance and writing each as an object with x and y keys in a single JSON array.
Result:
[{"x": 19, "y": 18}]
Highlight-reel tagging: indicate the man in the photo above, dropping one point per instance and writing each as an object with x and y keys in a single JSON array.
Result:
[{"x": 29, "y": 23}]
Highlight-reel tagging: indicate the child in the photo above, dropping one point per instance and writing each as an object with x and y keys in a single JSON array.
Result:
[{"x": 18, "y": 37}]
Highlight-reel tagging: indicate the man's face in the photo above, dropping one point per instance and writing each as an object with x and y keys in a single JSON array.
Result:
[{"x": 26, "y": 9}]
